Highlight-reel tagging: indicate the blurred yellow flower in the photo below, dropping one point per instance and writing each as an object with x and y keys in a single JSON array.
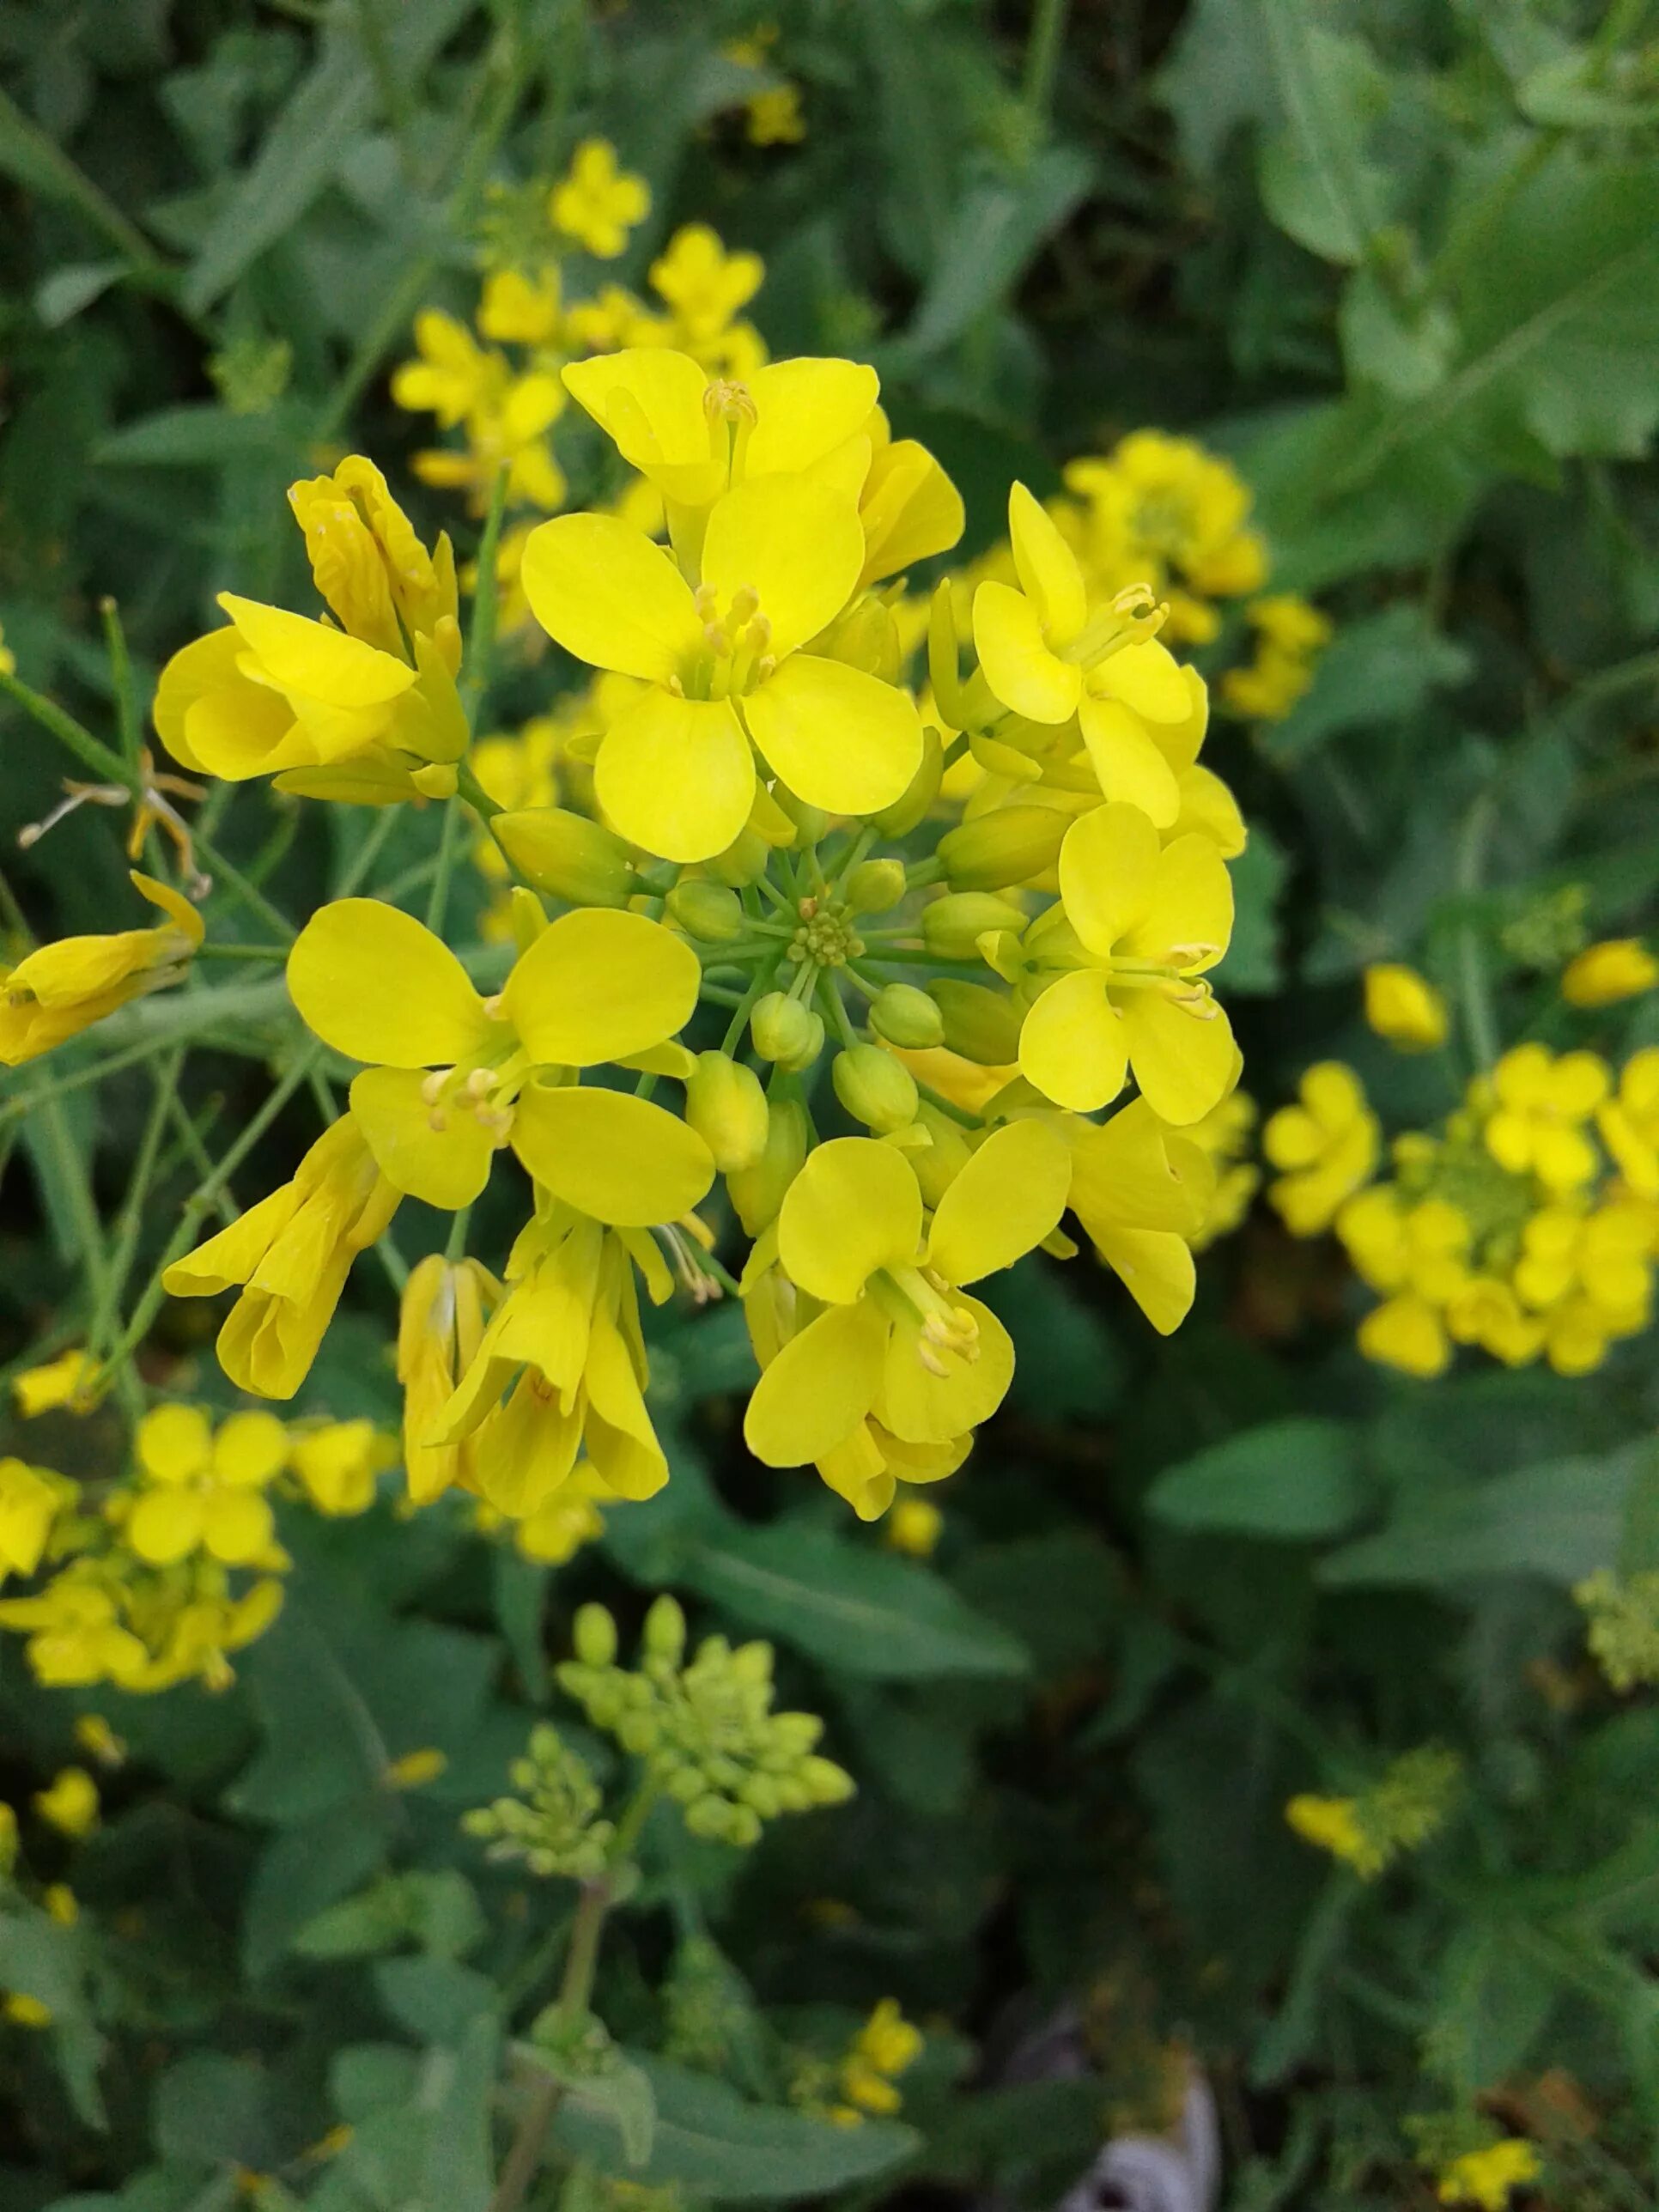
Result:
[
  {"x": 1486, "y": 2178},
  {"x": 596, "y": 203},
  {"x": 1405, "y": 1007},
  {"x": 207, "y": 1489},
  {"x": 1619, "y": 968},
  {"x": 70, "y": 1804},
  {"x": 1325, "y": 1147}
]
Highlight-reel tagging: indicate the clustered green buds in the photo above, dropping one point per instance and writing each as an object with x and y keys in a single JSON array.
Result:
[
  {"x": 553, "y": 1825},
  {"x": 1622, "y": 1615},
  {"x": 705, "y": 1731}
]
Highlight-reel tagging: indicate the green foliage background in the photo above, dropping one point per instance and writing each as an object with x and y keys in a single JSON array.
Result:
[{"x": 1398, "y": 259}]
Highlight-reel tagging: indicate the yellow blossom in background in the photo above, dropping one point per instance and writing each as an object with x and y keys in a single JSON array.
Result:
[
  {"x": 62, "y": 1904},
  {"x": 61, "y": 989},
  {"x": 571, "y": 1517},
  {"x": 94, "y": 1735},
  {"x": 25, "y": 2011},
  {"x": 62, "y": 1382},
  {"x": 1602, "y": 974},
  {"x": 70, "y": 1804},
  {"x": 914, "y": 1526},
  {"x": 1406, "y": 1806},
  {"x": 1331, "y": 1825},
  {"x": 1486, "y": 2178},
  {"x": 338, "y": 1463},
  {"x": 205, "y": 1488},
  {"x": 886, "y": 2046},
  {"x": 8, "y": 658},
  {"x": 1325, "y": 1148},
  {"x": 776, "y": 118},
  {"x": 1629, "y": 1122},
  {"x": 596, "y": 203},
  {"x": 1405, "y": 1007},
  {"x": 1225, "y": 1134},
  {"x": 1542, "y": 1107},
  {"x": 31, "y": 1499},
  {"x": 1290, "y": 635},
  {"x": 414, "y": 1769},
  {"x": 704, "y": 286}
]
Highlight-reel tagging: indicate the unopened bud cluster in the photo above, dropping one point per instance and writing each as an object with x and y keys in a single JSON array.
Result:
[{"x": 553, "y": 1825}]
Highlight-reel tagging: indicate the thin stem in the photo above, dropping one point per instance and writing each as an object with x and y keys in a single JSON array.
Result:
[
  {"x": 833, "y": 1004},
  {"x": 271, "y": 953},
  {"x": 1478, "y": 1018},
  {"x": 438, "y": 899},
  {"x": 129, "y": 1226},
  {"x": 361, "y": 865},
  {"x": 120, "y": 669},
  {"x": 455, "y": 1249},
  {"x": 92, "y": 752},
  {"x": 481, "y": 632},
  {"x": 1043, "y": 58}
]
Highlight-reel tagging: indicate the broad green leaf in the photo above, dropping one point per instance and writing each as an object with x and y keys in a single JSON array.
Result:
[
  {"x": 304, "y": 1868},
  {"x": 1494, "y": 1999},
  {"x": 848, "y": 1604},
  {"x": 1219, "y": 76},
  {"x": 201, "y": 434},
  {"x": 1317, "y": 180},
  {"x": 1381, "y": 668},
  {"x": 619, "y": 2093},
  {"x": 59, "y": 297},
  {"x": 1296, "y": 1479},
  {"x": 211, "y": 2108},
  {"x": 458, "y": 2093},
  {"x": 715, "y": 2144},
  {"x": 1404, "y": 352},
  {"x": 997, "y": 226},
  {"x": 362, "y": 2077},
  {"x": 435, "y": 1999}
]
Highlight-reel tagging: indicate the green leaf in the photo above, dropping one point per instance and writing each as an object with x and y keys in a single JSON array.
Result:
[
  {"x": 620, "y": 2092},
  {"x": 707, "y": 2139},
  {"x": 1317, "y": 180},
  {"x": 1251, "y": 963},
  {"x": 1219, "y": 76},
  {"x": 1559, "y": 1522},
  {"x": 1383, "y": 668},
  {"x": 458, "y": 2172},
  {"x": 439, "y": 1911},
  {"x": 1298, "y": 1478},
  {"x": 304, "y": 1868},
  {"x": 199, "y": 434},
  {"x": 435, "y": 1999},
  {"x": 1404, "y": 354},
  {"x": 848, "y": 1604},
  {"x": 365, "y": 2076},
  {"x": 211, "y": 2108},
  {"x": 61, "y": 295},
  {"x": 520, "y": 1593},
  {"x": 998, "y": 226},
  {"x": 39, "y": 1959}
]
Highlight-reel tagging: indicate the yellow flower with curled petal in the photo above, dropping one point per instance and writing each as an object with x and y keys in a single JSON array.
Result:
[
  {"x": 370, "y": 565},
  {"x": 1140, "y": 1191},
  {"x": 293, "y": 1251},
  {"x": 66, "y": 1380},
  {"x": 724, "y": 667},
  {"x": 70, "y": 1803},
  {"x": 908, "y": 507},
  {"x": 1325, "y": 1146},
  {"x": 31, "y": 1499},
  {"x": 338, "y": 1463},
  {"x": 1541, "y": 1106},
  {"x": 205, "y": 1491},
  {"x": 596, "y": 203},
  {"x": 1629, "y": 1122},
  {"x": 60, "y": 990},
  {"x": 441, "y": 1325},
  {"x": 454, "y": 1076},
  {"x": 891, "y": 1333},
  {"x": 1487, "y": 2178},
  {"x": 1405, "y": 1007},
  {"x": 1137, "y": 927},
  {"x": 1603, "y": 974}
]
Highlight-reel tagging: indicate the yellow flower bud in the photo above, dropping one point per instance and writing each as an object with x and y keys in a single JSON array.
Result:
[
  {"x": 875, "y": 886},
  {"x": 567, "y": 854},
  {"x": 757, "y": 1192},
  {"x": 875, "y": 1088},
  {"x": 725, "y": 1105},
  {"x": 744, "y": 860},
  {"x": 811, "y": 822},
  {"x": 1617, "y": 967},
  {"x": 952, "y": 925},
  {"x": 1405, "y": 1007},
  {"x": 782, "y": 1028},
  {"x": 1008, "y": 847},
  {"x": 981, "y": 1025},
  {"x": 902, "y": 816},
  {"x": 705, "y": 910},
  {"x": 595, "y": 1635},
  {"x": 905, "y": 1015}
]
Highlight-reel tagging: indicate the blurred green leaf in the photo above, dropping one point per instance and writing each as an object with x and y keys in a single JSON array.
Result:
[
  {"x": 1379, "y": 668},
  {"x": 1317, "y": 179},
  {"x": 1296, "y": 1479}
]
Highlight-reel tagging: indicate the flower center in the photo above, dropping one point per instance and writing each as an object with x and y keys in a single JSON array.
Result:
[
  {"x": 945, "y": 1327},
  {"x": 735, "y": 654},
  {"x": 485, "y": 1086},
  {"x": 826, "y": 937},
  {"x": 1132, "y": 616}
]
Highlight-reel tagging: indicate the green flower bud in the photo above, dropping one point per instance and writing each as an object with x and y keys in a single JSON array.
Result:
[
  {"x": 757, "y": 1192},
  {"x": 811, "y": 822},
  {"x": 744, "y": 861},
  {"x": 797, "y": 1063},
  {"x": 952, "y": 925},
  {"x": 1007, "y": 847},
  {"x": 708, "y": 1817},
  {"x": 829, "y": 1785},
  {"x": 707, "y": 911},
  {"x": 902, "y": 816},
  {"x": 726, "y": 1104},
  {"x": 875, "y": 1088},
  {"x": 664, "y": 1629},
  {"x": 781, "y": 1026},
  {"x": 567, "y": 854},
  {"x": 937, "y": 1164},
  {"x": 905, "y": 1015},
  {"x": 595, "y": 1635},
  {"x": 874, "y": 886},
  {"x": 981, "y": 1025}
]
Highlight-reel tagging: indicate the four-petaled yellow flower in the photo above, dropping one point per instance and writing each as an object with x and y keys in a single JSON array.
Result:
[
  {"x": 205, "y": 1491},
  {"x": 596, "y": 203},
  {"x": 1325, "y": 1147},
  {"x": 63, "y": 988},
  {"x": 1486, "y": 2178},
  {"x": 1542, "y": 1105}
]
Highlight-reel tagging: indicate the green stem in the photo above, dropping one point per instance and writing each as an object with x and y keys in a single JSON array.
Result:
[
  {"x": 1043, "y": 50},
  {"x": 481, "y": 632},
  {"x": 362, "y": 860},
  {"x": 274, "y": 953},
  {"x": 120, "y": 669},
  {"x": 835, "y": 1007},
  {"x": 42, "y": 164},
  {"x": 455, "y": 1249},
  {"x": 129, "y": 1226},
  {"x": 438, "y": 899},
  {"x": 1478, "y": 1019}
]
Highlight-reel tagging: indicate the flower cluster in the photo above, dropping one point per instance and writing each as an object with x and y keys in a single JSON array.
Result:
[
  {"x": 1472, "y": 2163},
  {"x": 554, "y": 1825},
  {"x": 1290, "y": 635},
  {"x": 1622, "y": 1625},
  {"x": 147, "y": 1581},
  {"x": 1398, "y": 1812}
]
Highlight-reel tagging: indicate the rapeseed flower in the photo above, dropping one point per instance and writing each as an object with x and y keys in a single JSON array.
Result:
[
  {"x": 1487, "y": 2178},
  {"x": 1325, "y": 1147},
  {"x": 31, "y": 1500},
  {"x": 1541, "y": 1107},
  {"x": 1629, "y": 1122},
  {"x": 337, "y": 1463},
  {"x": 440, "y": 1326},
  {"x": 205, "y": 1489},
  {"x": 55, "y": 992},
  {"x": 66, "y": 1380},
  {"x": 596, "y": 203},
  {"x": 1602, "y": 974},
  {"x": 70, "y": 1803},
  {"x": 1405, "y": 1007}
]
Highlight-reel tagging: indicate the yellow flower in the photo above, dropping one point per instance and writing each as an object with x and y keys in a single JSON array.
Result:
[
  {"x": 8, "y": 658},
  {"x": 1487, "y": 1311},
  {"x": 1325, "y": 1148},
  {"x": 1158, "y": 500},
  {"x": 453, "y": 1077},
  {"x": 76, "y": 1636},
  {"x": 439, "y": 1327},
  {"x": 25, "y": 2011},
  {"x": 64, "y": 1380},
  {"x": 93, "y": 1734},
  {"x": 908, "y": 507},
  {"x": 205, "y": 1489},
  {"x": 886, "y": 2046},
  {"x": 1629, "y": 1122},
  {"x": 1332, "y": 1824},
  {"x": 915, "y": 1526},
  {"x": 414, "y": 1769},
  {"x": 453, "y": 377},
  {"x": 519, "y": 310},
  {"x": 31, "y": 1499},
  {"x": 1397, "y": 1246},
  {"x": 884, "y": 1327},
  {"x": 62, "y": 1904},
  {"x": 1138, "y": 925},
  {"x": 774, "y": 117},
  {"x": 1537, "y": 1124},
  {"x": 368, "y": 565},
  {"x": 1224, "y": 1135},
  {"x": 724, "y": 667},
  {"x": 70, "y": 1804},
  {"x": 556, "y": 1531},
  {"x": 293, "y": 1251},
  {"x": 1406, "y": 1333},
  {"x": 1486, "y": 2178},
  {"x": 61, "y": 989},
  {"x": 507, "y": 429},
  {"x": 1140, "y": 1190},
  {"x": 1619, "y": 968},
  {"x": 596, "y": 203},
  {"x": 1404, "y": 1007},
  {"x": 704, "y": 284},
  {"x": 338, "y": 1464}
]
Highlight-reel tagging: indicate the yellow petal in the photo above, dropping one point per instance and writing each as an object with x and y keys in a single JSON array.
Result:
[
  {"x": 440, "y": 1154},
  {"x": 165, "y": 1525},
  {"x": 1074, "y": 1045},
  {"x": 603, "y": 591},
  {"x": 207, "y": 664},
  {"x": 1005, "y": 1201},
  {"x": 621, "y": 1441},
  {"x": 910, "y": 510},
  {"x": 1047, "y": 568},
  {"x": 298, "y": 654},
  {"x": 370, "y": 981},
  {"x": 1208, "y": 809},
  {"x": 174, "y": 1443},
  {"x": 232, "y": 1255},
  {"x": 1130, "y": 767},
  {"x": 185, "y": 918},
  {"x": 819, "y": 1387},
  {"x": 920, "y": 1407},
  {"x": 1156, "y": 1269},
  {"x": 1107, "y": 869},
  {"x": 855, "y": 1207},
  {"x": 1184, "y": 1065},
  {"x": 1125, "y": 1175},
  {"x": 250, "y": 1450},
  {"x": 1015, "y": 658},
  {"x": 597, "y": 984},
  {"x": 237, "y": 1525},
  {"x": 649, "y": 400},
  {"x": 1190, "y": 911},
  {"x": 795, "y": 544},
  {"x": 523, "y": 1453},
  {"x": 839, "y": 738},
  {"x": 804, "y": 408},
  {"x": 676, "y": 776},
  {"x": 1148, "y": 677},
  {"x": 621, "y": 1159}
]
